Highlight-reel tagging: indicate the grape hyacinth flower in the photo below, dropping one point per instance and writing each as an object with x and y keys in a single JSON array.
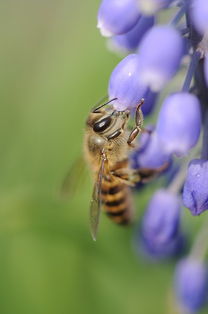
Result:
[
  {"x": 160, "y": 229},
  {"x": 160, "y": 52},
  {"x": 199, "y": 15},
  {"x": 195, "y": 192},
  {"x": 160, "y": 251},
  {"x": 179, "y": 135},
  {"x": 153, "y": 154},
  {"x": 142, "y": 145},
  {"x": 129, "y": 41},
  {"x": 124, "y": 83},
  {"x": 191, "y": 284},
  {"x": 117, "y": 16},
  {"x": 150, "y": 102},
  {"x": 149, "y": 7}
]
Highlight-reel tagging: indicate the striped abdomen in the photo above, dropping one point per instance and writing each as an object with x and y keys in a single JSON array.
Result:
[{"x": 116, "y": 199}]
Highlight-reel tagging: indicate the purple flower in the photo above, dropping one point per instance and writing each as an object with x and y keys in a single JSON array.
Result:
[
  {"x": 161, "y": 220},
  {"x": 130, "y": 40},
  {"x": 160, "y": 232},
  {"x": 124, "y": 83},
  {"x": 199, "y": 15},
  {"x": 179, "y": 122},
  {"x": 150, "y": 7},
  {"x": 117, "y": 16},
  {"x": 152, "y": 154},
  {"x": 143, "y": 142},
  {"x": 160, "y": 52},
  {"x": 160, "y": 251},
  {"x": 150, "y": 99},
  {"x": 191, "y": 284},
  {"x": 195, "y": 192}
]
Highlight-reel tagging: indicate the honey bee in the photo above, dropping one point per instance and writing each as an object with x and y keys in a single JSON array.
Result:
[{"x": 107, "y": 143}]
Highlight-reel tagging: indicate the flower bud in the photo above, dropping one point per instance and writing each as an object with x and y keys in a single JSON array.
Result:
[
  {"x": 179, "y": 122},
  {"x": 161, "y": 220},
  {"x": 195, "y": 191},
  {"x": 117, "y": 16},
  {"x": 160, "y": 225},
  {"x": 124, "y": 83},
  {"x": 142, "y": 145},
  {"x": 129, "y": 41},
  {"x": 153, "y": 154},
  {"x": 191, "y": 284},
  {"x": 149, "y": 7},
  {"x": 199, "y": 15},
  {"x": 160, "y": 251},
  {"x": 150, "y": 99},
  {"x": 160, "y": 52}
]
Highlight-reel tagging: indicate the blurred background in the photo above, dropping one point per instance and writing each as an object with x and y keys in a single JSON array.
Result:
[{"x": 54, "y": 67}]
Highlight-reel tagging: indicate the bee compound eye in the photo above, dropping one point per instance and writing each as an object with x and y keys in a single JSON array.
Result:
[{"x": 102, "y": 125}]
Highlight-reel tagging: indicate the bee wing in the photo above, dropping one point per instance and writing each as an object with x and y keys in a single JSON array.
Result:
[
  {"x": 95, "y": 205},
  {"x": 74, "y": 178}
]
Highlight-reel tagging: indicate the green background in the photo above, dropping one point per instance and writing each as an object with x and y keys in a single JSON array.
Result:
[{"x": 54, "y": 67}]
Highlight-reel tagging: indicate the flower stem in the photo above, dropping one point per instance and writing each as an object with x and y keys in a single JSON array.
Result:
[
  {"x": 191, "y": 70},
  {"x": 176, "y": 19},
  {"x": 200, "y": 246},
  {"x": 179, "y": 179}
]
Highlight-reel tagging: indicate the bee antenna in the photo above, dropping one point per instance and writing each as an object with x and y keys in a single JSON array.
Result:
[{"x": 108, "y": 102}]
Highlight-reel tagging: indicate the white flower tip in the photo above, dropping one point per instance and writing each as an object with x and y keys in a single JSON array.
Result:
[
  {"x": 153, "y": 79},
  {"x": 148, "y": 7},
  {"x": 104, "y": 32},
  {"x": 116, "y": 48}
]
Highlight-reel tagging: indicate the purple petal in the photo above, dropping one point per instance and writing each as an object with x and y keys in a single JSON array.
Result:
[
  {"x": 191, "y": 284},
  {"x": 199, "y": 15},
  {"x": 160, "y": 53},
  {"x": 117, "y": 16},
  {"x": 153, "y": 155},
  {"x": 161, "y": 251},
  {"x": 130, "y": 40},
  {"x": 195, "y": 192},
  {"x": 161, "y": 220},
  {"x": 150, "y": 99},
  {"x": 179, "y": 122},
  {"x": 160, "y": 235},
  {"x": 124, "y": 83}
]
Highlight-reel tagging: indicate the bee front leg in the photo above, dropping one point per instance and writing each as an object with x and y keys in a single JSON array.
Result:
[{"x": 139, "y": 123}]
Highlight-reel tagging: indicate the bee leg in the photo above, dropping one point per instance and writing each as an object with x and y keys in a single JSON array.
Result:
[
  {"x": 147, "y": 174},
  {"x": 139, "y": 122},
  {"x": 131, "y": 177},
  {"x": 127, "y": 176}
]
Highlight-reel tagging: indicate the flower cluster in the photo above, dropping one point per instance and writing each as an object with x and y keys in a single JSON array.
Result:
[{"x": 155, "y": 54}]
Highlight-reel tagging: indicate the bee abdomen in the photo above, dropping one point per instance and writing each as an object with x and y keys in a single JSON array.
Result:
[{"x": 116, "y": 202}]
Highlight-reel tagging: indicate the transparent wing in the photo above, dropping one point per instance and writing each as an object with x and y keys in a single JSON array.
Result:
[
  {"x": 74, "y": 178},
  {"x": 95, "y": 205}
]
